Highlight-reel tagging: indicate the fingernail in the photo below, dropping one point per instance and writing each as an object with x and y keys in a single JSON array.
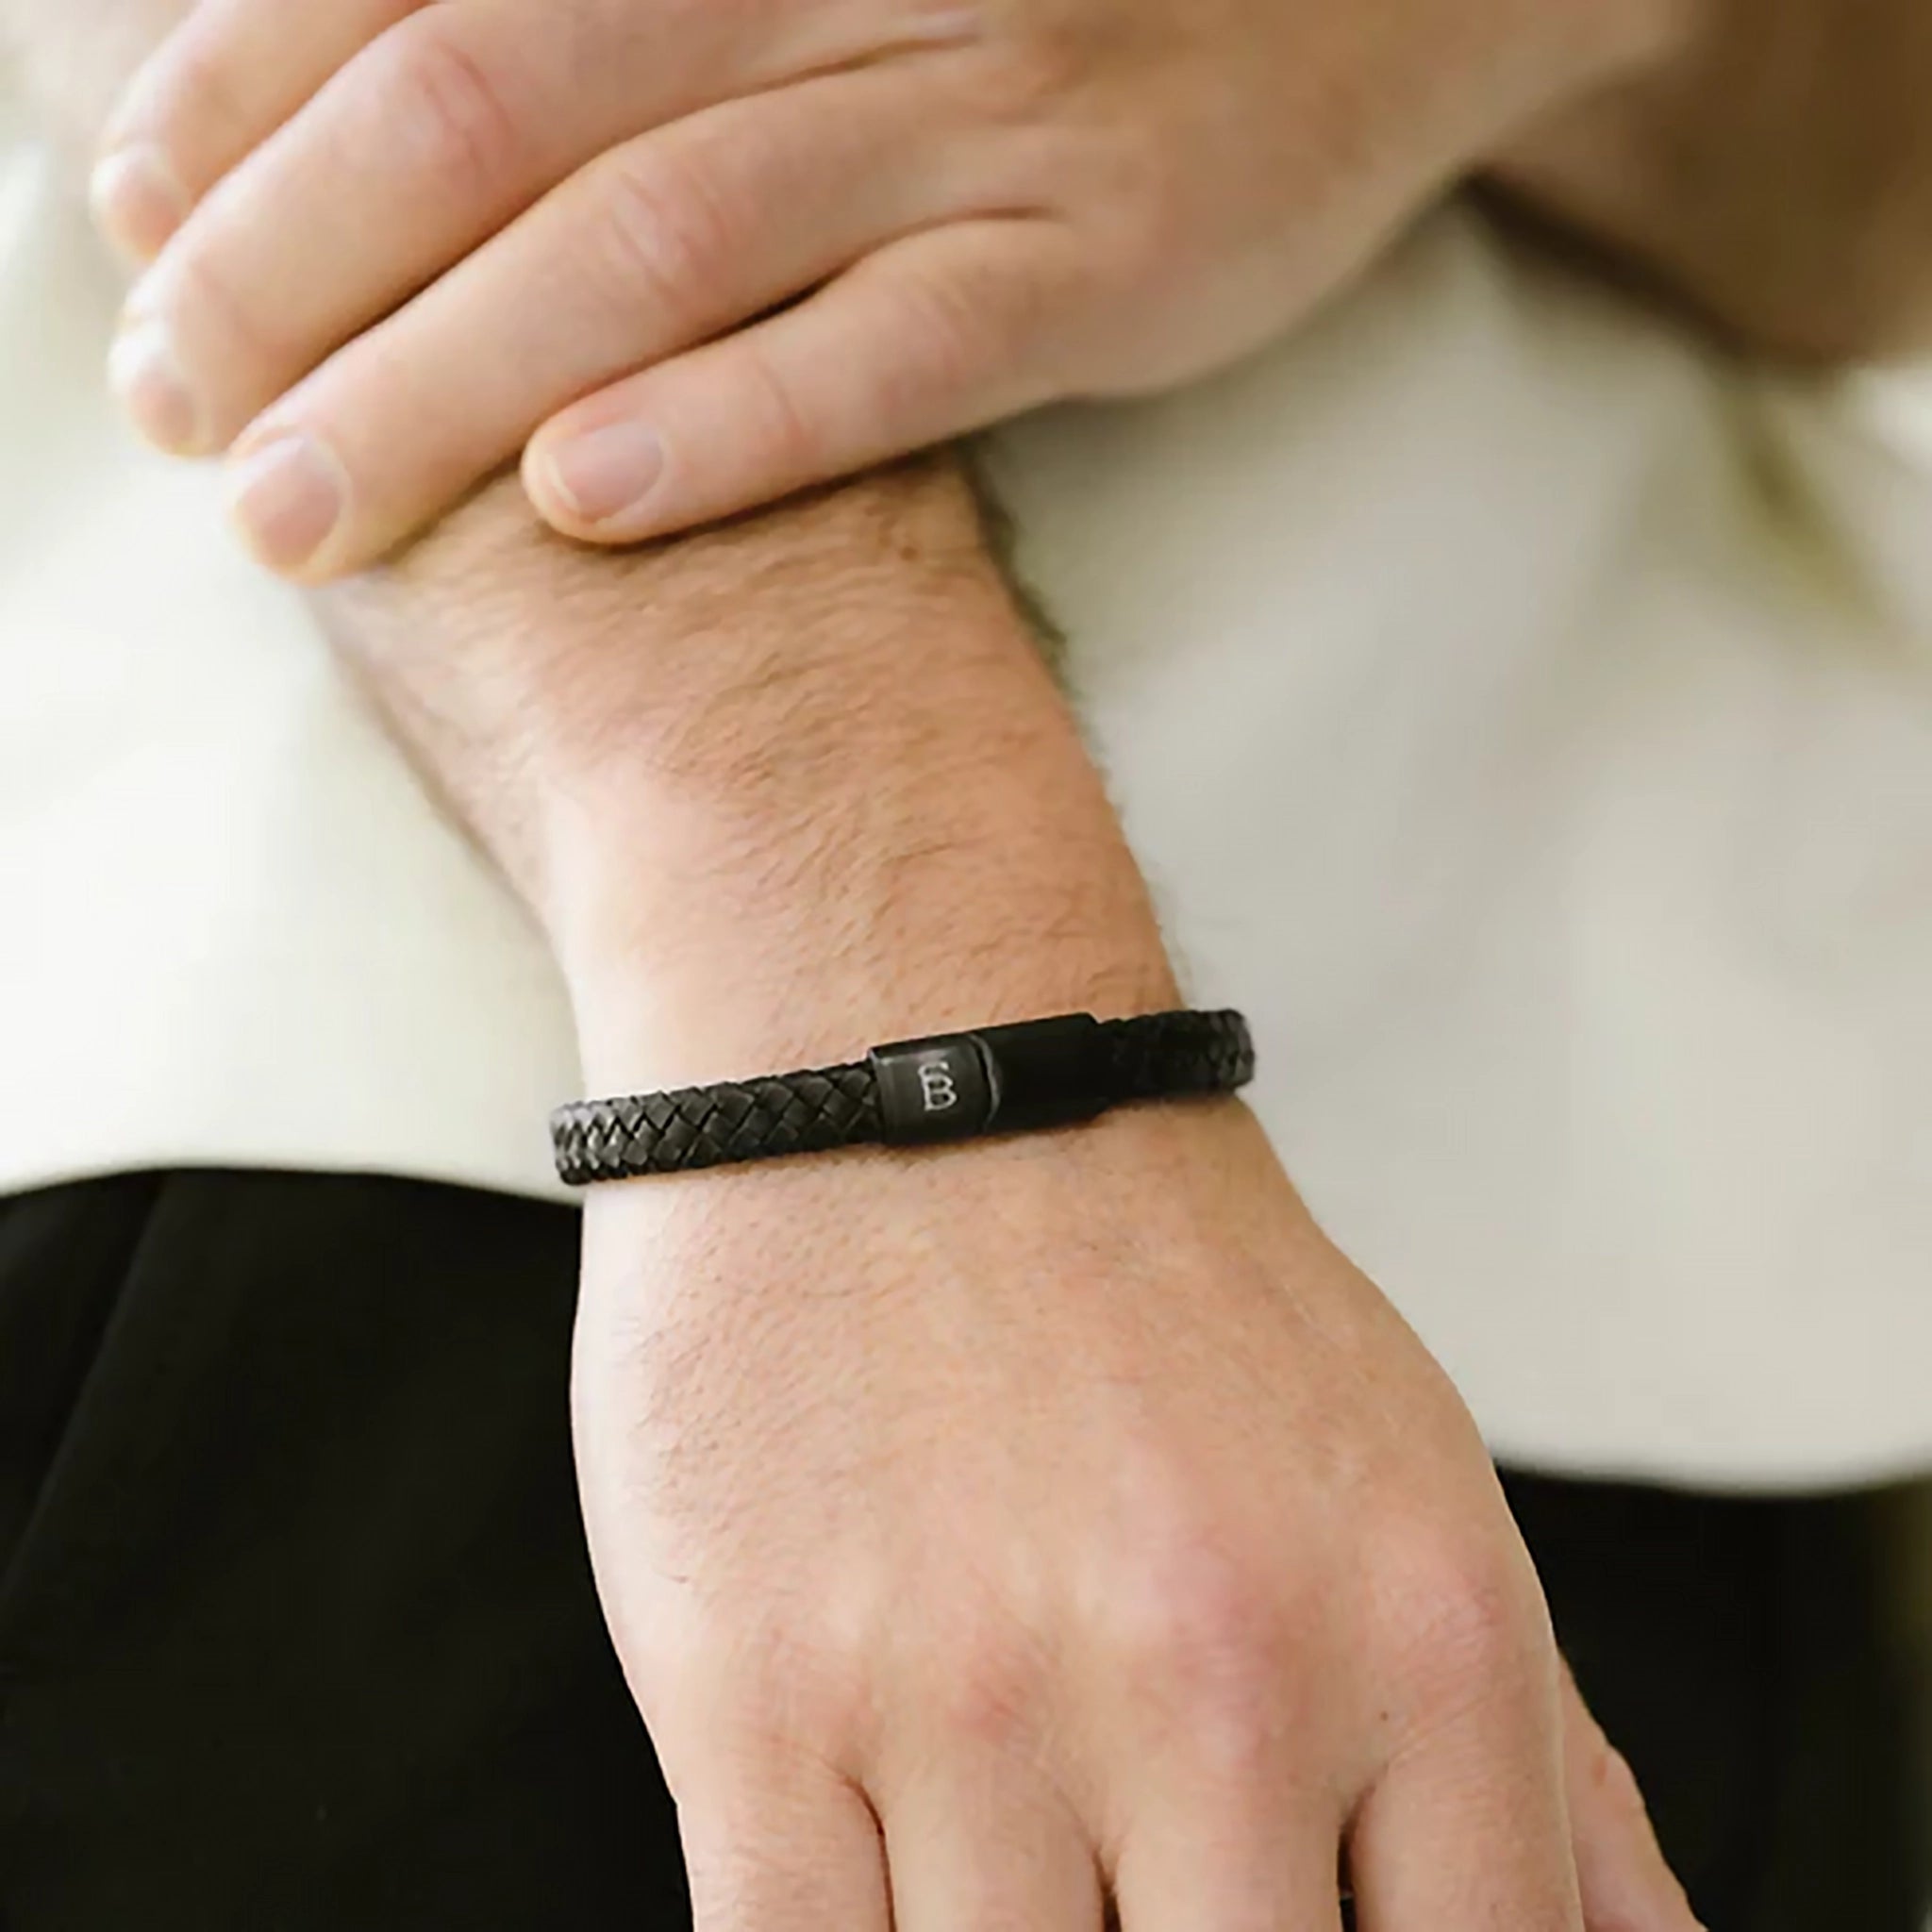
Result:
[
  {"x": 137, "y": 202},
  {"x": 146, "y": 375},
  {"x": 609, "y": 470},
  {"x": 287, "y": 497}
]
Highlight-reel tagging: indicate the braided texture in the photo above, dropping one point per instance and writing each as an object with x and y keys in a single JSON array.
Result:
[
  {"x": 698, "y": 1127},
  {"x": 1169, "y": 1056},
  {"x": 1165, "y": 1056}
]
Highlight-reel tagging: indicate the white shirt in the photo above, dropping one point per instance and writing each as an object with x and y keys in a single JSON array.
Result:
[{"x": 1523, "y": 714}]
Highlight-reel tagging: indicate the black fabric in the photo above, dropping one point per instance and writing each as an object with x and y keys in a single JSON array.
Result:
[
  {"x": 296, "y": 1623},
  {"x": 1762, "y": 1664},
  {"x": 297, "y": 1629}
]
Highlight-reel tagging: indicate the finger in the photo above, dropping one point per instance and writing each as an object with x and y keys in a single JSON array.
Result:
[
  {"x": 430, "y": 141},
  {"x": 1468, "y": 1829},
  {"x": 659, "y": 245},
  {"x": 1240, "y": 1868},
  {"x": 1228, "y": 1809},
  {"x": 1627, "y": 1885},
  {"x": 785, "y": 1846},
  {"x": 978, "y": 1845},
  {"x": 928, "y": 339},
  {"x": 218, "y": 87}
]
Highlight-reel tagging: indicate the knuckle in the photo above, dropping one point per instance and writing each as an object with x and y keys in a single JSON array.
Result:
[
  {"x": 988, "y": 1690},
  {"x": 772, "y": 420},
  {"x": 762, "y": 1680},
  {"x": 446, "y": 103},
  {"x": 210, "y": 304},
  {"x": 1032, "y": 71},
  {"x": 1206, "y": 1637},
  {"x": 1612, "y": 1781},
  {"x": 1464, "y": 1613},
  {"x": 951, "y": 325},
  {"x": 666, "y": 236},
  {"x": 193, "y": 96}
]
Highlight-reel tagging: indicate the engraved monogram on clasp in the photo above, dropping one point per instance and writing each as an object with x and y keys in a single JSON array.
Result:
[{"x": 938, "y": 1089}]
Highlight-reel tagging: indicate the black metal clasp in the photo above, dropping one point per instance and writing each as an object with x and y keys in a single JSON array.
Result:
[{"x": 998, "y": 1080}]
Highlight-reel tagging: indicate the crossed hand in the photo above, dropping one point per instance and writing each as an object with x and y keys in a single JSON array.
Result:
[{"x": 691, "y": 255}]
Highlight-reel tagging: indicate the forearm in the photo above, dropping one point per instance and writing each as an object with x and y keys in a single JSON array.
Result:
[
  {"x": 779, "y": 790},
  {"x": 1777, "y": 175}
]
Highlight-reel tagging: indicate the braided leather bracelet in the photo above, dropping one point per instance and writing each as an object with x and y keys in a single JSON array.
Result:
[{"x": 957, "y": 1087}]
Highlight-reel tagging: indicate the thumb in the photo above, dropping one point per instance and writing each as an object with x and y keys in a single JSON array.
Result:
[{"x": 928, "y": 339}]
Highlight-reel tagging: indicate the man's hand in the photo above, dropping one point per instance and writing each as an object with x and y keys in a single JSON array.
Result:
[
  {"x": 1067, "y": 1523},
  {"x": 991, "y": 1532},
  {"x": 900, "y": 1469},
  {"x": 454, "y": 226}
]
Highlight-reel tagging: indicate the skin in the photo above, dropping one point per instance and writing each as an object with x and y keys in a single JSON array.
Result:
[
  {"x": 980, "y": 1533},
  {"x": 1774, "y": 177},
  {"x": 705, "y": 253},
  {"x": 567, "y": 243},
  {"x": 989, "y": 1534}
]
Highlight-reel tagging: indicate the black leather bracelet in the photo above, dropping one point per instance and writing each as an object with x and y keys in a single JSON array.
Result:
[{"x": 918, "y": 1093}]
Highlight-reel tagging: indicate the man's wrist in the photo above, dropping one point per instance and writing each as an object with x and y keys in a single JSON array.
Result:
[
  {"x": 731, "y": 1000},
  {"x": 948, "y": 874},
  {"x": 774, "y": 792}
]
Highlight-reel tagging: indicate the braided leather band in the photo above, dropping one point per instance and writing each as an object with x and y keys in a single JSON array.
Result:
[{"x": 957, "y": 1087}]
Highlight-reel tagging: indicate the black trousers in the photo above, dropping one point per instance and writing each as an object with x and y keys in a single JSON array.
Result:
[{"x": 297, "y": 1630}]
